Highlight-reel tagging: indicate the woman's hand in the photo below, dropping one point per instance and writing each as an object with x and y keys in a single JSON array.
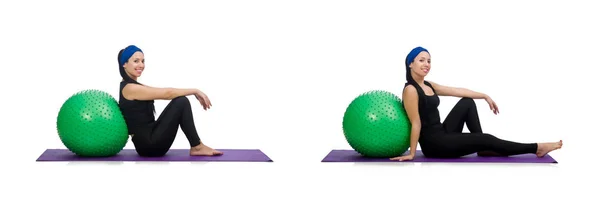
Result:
[
  {"x": 403, "y": 158},
  {"x": 492, "y": 104},
  {"x": 204, "y": 101}
]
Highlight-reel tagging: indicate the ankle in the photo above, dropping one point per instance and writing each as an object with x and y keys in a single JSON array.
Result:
[{"x": 199, "y": 146}]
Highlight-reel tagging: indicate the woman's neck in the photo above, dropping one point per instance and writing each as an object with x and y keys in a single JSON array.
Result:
[
  {"x": 419, "y": 80},
  {"x": 132, "y": 77}
]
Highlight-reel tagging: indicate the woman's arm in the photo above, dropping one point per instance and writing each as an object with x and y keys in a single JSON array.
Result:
[
  {"x": 141, "y": 92},
  {"x": 411, "y": 105},
  {"x": 457, "y": 92},
  {"x": 463, "y": 92}
]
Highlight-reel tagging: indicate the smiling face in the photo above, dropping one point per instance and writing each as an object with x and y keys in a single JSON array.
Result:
[
  {"x": 421, "y": 65},
  {"x": 135, "y": 65}
]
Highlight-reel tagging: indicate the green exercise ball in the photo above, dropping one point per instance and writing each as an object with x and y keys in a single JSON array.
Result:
[
  {"x": 375, "y": 124},
  {"x": 90, "y": 124}
]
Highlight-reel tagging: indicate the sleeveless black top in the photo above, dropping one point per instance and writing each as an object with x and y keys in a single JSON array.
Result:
[
  {"x": 139, "y": 115},
  {"x": 428, "y": 110}
]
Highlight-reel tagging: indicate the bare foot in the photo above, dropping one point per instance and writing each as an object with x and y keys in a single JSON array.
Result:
[
  {"x": 545, "y": 148},
  {"x": 203, "y": 150}
]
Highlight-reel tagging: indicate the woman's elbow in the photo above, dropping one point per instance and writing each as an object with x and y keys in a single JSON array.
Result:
[
  {"x": 168, "y": 94},
  {"x": 415, "y": 126}
]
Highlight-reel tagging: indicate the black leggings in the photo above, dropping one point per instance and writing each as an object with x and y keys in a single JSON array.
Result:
[
  {"x": 452, "y": 142},
  {"x": 158, "y": 140}
]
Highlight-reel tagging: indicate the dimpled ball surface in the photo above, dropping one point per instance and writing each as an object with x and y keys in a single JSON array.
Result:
[
  {"x": 90, "y": 124},
  {"x": 375, "y": 124}
]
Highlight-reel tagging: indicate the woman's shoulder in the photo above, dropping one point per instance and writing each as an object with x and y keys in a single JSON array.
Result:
[
  {"x": 409, "y": 86},
  {"x": 409, "y": 89}
]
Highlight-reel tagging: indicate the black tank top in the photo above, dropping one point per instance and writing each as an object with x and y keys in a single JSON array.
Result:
[
  {"x": 139, "y": 115},
  {"x": 428, "y": 109}
]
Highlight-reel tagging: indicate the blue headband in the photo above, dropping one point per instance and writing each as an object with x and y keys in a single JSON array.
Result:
[
  {"x": 127, "y": 53},
  {"x": 413, "y": 54}
]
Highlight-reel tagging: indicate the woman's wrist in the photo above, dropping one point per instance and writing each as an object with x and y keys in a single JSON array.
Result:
[{"x": 486, "y": 97}]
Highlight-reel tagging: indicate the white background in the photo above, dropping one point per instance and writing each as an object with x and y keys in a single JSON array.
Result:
[{"x": 280, "y": 74}]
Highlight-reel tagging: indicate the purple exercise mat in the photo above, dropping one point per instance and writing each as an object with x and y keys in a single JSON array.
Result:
[
  {"x": 232, "y": 155},
  {"x": 353, "y": 156}
]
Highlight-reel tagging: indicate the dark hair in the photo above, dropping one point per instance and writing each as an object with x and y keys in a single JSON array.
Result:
[{"x": 409, "y": 78}]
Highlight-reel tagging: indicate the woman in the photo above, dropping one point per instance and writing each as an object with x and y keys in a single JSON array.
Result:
[
  {"x": 153, "y": 138},
  {"x": 446, "y": 140}
]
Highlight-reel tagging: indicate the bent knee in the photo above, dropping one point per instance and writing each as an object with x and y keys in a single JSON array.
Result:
[
  {"x": 181, "y": 99},
  {"x": 467, "y": 101}
]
